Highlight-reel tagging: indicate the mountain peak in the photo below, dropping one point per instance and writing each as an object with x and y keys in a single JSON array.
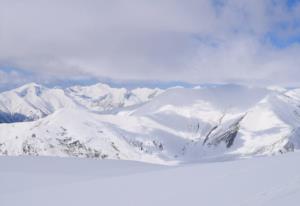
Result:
[
  {"x": 30, "y": 88},
  {"x": 30, "y": 85}
]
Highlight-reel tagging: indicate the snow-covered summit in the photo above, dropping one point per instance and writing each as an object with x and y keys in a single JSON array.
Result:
[
  {"x": 31, "y": 102},
  {"x": 102, "y": 97}
]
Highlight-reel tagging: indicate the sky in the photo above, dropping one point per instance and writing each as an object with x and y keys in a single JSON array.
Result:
[{"x": 159, "y": 42}]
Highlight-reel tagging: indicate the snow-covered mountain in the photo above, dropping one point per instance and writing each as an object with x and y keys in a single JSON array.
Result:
[
  {"x": 33, "y": 101},
  {"x": 151, "y": 125},
  {"x": 101, "y": 97}
]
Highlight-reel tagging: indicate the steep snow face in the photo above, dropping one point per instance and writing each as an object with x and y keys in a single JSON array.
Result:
[
  {"x": 178, "y": 125},
  {"x": 271, "y": 126}
]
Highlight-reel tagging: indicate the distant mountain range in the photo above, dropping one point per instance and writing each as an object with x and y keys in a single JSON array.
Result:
[{"x": 176, "y": 125}]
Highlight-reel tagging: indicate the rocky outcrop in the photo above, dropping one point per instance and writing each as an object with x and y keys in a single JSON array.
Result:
[{"x": 223, "y": 133}]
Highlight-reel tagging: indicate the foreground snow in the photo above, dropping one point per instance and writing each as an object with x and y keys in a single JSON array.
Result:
[{"x": 64, "y": 181}]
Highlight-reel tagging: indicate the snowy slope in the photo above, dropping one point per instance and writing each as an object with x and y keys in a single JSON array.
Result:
[
  {"x": 72, "y": 132},
  {"x": 178, "y": 125},
  {"x": 270, "y": 181}
]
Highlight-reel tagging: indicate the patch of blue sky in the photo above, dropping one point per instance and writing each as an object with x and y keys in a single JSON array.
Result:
[
  {"x": 8, "y": 69},
  {"x": 281, "y": 42},
  {"x": 292, "y": 3},
  {"x": 280, "y": 39}
]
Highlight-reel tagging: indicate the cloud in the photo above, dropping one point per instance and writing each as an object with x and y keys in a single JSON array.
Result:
[
  {"x": 193, "y": 41},
  {"x": 12, "y": 78}
]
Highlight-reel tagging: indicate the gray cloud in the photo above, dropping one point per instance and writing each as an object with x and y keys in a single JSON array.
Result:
[{"x": 171, "y": 40}]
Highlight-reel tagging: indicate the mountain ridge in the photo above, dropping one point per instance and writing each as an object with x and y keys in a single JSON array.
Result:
[{"x": 172, "y": 126}]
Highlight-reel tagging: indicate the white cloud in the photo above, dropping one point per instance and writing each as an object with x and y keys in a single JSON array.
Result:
[{"x": 168, "y": 40}]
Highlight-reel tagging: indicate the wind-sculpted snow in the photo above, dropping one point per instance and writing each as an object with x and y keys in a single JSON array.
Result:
[{"x": 174, "y": 126}]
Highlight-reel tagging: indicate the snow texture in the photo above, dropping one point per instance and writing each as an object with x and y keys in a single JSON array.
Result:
[{"x": 267, "y": 181}]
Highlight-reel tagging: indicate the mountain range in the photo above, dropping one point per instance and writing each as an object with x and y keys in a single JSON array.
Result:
[{"x": 171, "y": 126}]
